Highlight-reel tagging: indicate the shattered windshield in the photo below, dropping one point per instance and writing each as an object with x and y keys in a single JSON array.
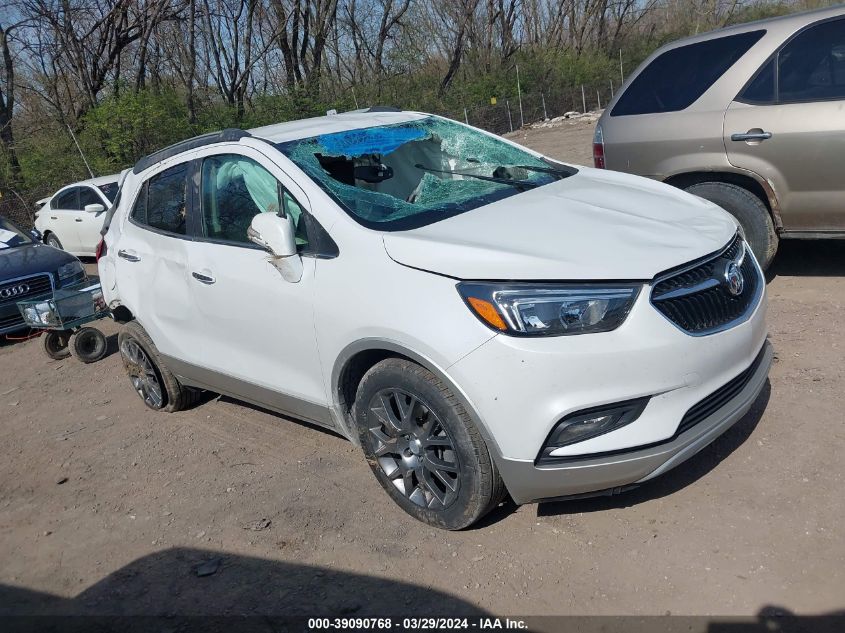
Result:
[{"x": 402, "y": 176}]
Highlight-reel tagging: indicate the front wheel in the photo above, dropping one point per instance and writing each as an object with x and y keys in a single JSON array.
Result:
[
  {"x": 423, "y": 447},
  {"x": 52, "y": 240}
]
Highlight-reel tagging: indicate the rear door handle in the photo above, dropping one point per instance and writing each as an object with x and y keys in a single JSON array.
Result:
[
  {"x": 77, "y": 219},
  {"x": 129, "y": 256},
  {"x": 203, "y": 279},
  {"x": 751, "y": 136}
]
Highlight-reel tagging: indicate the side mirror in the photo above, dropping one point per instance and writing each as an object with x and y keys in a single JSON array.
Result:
[
  {"x": 36, "y": 235},
  {"x": 94, "y": 208},
  {"x": 276, "y": 235}
]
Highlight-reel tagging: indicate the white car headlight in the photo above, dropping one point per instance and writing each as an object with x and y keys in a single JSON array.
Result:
[
  {"x": 550, "y": 309},
  {"x": 71, "y": 269}
]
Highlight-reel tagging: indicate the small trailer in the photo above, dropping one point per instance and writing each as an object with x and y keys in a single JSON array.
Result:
[{"x": 63, "y": 316}]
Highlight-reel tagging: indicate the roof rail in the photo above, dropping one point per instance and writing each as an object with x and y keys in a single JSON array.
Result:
[
  {"x": 229, "y": 134},
  {"x": 383, "y": 108},
  {"x": 375, "y": 108}
]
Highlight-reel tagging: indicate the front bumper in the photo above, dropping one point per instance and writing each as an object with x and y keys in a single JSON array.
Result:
[
  {"x": 520, "y": 388},
  {"x": 605, "y": 472}
]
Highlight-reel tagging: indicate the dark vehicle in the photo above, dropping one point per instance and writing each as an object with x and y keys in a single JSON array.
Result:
[{"x": 30, "y": 269}]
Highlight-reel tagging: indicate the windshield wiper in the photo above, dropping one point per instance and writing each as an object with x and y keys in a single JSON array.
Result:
[
  {"x": 522, "y": 185},
  {"x": 554, "y": 171}
]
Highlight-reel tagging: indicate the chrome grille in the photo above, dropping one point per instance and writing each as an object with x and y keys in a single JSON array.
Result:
[
  {"x": 698, "y": 298},
  {"x": 13, "y": 291}
]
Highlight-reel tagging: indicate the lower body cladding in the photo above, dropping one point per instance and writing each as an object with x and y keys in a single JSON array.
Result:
[{"x": 689, "y": 390}]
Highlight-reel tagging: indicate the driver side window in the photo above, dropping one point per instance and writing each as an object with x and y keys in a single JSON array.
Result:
[
  {"x": 234, "y": 190},
  {"x": 66, "y": 201}
]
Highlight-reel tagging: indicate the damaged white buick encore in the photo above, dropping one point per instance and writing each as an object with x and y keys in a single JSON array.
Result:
[{"x": 480, "y": 319}]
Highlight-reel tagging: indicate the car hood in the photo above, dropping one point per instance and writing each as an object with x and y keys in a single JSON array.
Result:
[
  {"x": 594, "y": 225},
  {"x": 31, "y": 259}
]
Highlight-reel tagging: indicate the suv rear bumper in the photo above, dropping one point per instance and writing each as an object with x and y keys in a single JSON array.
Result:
[{"x": 601, "y": 474}]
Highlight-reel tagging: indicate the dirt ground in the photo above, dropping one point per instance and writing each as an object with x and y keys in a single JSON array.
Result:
[
  {"x": 571, "y": 141},
  {"x": 109, "y": 508}
]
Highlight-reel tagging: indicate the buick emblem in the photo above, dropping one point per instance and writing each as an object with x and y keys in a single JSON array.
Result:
[
  {"x": 734, "y": 280},
  {"x": 14, "y": 291}
]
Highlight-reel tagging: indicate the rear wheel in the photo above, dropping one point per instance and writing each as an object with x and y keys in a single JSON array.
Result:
[
  {"x": 55, "y": 344},
  {"x": 422, "y": 446},
  {"x": 750, "y": 212},
  {"x": 52, "y": 240},
  {"x": 149, "y": 376}
]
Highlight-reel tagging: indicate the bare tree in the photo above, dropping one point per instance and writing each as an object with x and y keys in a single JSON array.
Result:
[
  {"x": 7, "y": 101},
  {"x": 455, "y": 19},
  {"x": 89, "y": 39},
  {"x": 303, "y": 31}
]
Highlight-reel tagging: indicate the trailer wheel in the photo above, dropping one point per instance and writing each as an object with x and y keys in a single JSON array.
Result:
[
  {"x": 55, "y": 344},
  {"x": 88, "y": 344}
]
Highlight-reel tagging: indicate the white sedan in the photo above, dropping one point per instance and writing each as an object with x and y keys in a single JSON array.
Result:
[{"x": 72, "y": 218}]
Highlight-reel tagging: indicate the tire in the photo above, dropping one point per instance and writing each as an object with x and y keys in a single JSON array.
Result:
[
  {"x": 52, "y": 240},
  {"x": 88, "y": 345},
  {"x": 55, "y": 344},
  {"x": 149, "y": 376},
  {"x": 432, "y": 460},
  {"x": 750, "y": 212}
]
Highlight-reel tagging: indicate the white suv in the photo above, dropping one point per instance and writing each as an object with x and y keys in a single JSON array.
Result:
[{"x": 479, "y": 318}]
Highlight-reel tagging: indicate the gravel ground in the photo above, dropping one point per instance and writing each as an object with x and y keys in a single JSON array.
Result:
[{"x": 106, "y": 507}]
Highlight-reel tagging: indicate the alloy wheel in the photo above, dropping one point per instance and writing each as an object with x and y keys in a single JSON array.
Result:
[
  {"x": 142, "y": 374},
  {"x": 414, "y": 449}
]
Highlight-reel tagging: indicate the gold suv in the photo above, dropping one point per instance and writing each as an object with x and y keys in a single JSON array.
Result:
[{"x": 751, "y": 117}]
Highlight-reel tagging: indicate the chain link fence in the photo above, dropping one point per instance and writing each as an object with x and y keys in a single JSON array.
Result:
[
  {"x": 19, "y": 208},
  {"x": 509, "y": 114}
]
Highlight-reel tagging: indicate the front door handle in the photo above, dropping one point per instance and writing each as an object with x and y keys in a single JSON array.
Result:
[
  {"x": 129, "y": 256},
  {"x": 751, "y": 136},
  {"x": 203, "y": 279},
  {"x": 77, "y": 219}
]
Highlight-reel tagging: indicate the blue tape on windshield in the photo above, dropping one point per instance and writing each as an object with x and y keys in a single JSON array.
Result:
[{"x": 369, "y": 141}]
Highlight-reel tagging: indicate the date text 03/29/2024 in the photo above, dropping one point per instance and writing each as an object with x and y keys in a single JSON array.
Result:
[{"x": 416, "y": 624}]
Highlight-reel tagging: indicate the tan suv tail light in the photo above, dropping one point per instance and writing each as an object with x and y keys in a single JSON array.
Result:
[{"x": 598, "y": 148}]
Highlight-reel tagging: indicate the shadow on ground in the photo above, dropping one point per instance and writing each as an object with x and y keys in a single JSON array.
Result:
[
  {"x": 186, "y": 590},
  {"x": 171, "y": 582},
  {"x": 810, "y": 258}
]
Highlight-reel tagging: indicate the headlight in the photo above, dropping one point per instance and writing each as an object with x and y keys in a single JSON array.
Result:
[
  {"x": 71, "y": 269},
  {"x": 550, "y": 309}
]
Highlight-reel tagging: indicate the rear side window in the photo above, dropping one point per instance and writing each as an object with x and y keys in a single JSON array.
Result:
[
  {"x": 762, "y": 87},
  {"x": 678, "y": 77},
  {"x": 810, "y": 67},
  {"x": 161, "y": 201},
  {"x": 66, "y": 200},
  {"x": 87, "y": 196}
]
